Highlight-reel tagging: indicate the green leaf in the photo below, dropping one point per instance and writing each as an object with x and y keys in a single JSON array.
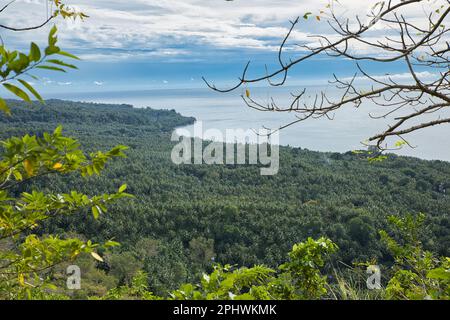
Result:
[
  {"x": 69, "y": 55},
  {"x": 306, "y": 15},
  {"x": 17, "y": 91},
  {"x": 400, "y": 143},
  {"x": 51, "y": 50},
  {"x": 18, "y": 64},
  {"x": 61, "y": 63},
  {"x": 96, "y": 211},
  {"x": 31, "y": 89},
  {"x": 122, "y": 188},
  {"x": 53, "y": 31},
  {"x": 18, "y": 175},
  {"x": 51, "y": 36},
  {"x": 58, "y": 130},
  {"x": 379, "y": 158},
  {"x": 51, "y": 68},
  {"x": 35, "y": 52},
  {"x": 439, "y": 273},
  {"x": 111, "y": 243},
  {"x": 29, "y": 167},
  {"x": 4, "y": 107}
]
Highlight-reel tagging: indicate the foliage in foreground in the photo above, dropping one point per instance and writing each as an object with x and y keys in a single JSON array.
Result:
[
  {"x": 416, "y": 274},
  {"x": 25, "y": 257},
  {"x": 185, "y": 217}
]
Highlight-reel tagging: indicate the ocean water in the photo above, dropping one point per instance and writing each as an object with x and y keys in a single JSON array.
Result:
[{"x": 348, "y": 129}]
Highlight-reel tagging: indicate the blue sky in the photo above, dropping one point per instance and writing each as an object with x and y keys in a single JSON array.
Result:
[{"x": 146, "y": 44}]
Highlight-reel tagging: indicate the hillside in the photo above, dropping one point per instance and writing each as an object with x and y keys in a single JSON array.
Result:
[{"x": 184, "y": 216}]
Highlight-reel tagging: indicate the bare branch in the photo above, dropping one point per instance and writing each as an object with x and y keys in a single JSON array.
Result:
[{"x": 418, "y": 46}]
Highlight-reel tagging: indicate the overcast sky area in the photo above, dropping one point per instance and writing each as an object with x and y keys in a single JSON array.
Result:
[{"x": 145, "y": 44}]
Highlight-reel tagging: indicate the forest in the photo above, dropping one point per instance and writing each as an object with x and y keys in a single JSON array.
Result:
[{"x": 186, "y": 219}]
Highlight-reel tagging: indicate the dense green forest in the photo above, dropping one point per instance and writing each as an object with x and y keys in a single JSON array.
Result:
[{"x": 184, "y": 218}]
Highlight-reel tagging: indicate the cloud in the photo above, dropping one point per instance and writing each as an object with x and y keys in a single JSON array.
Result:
[
  {"x": 98, "y": 83},
  {"x": 181, "y": 29},
  {"x": 47, "y": 81}
]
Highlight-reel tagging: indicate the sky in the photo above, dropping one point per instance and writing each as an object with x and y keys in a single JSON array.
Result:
[{"x": 148, "y": 44}]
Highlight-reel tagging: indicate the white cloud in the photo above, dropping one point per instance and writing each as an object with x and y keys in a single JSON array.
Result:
[
  {"x": 98, "y": 83},
  {"x": 47, "y": 81},
  {"x": 138, "y": 29}
]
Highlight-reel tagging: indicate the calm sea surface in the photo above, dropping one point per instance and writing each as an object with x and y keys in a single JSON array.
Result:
[{"x": 221, "y": 111}]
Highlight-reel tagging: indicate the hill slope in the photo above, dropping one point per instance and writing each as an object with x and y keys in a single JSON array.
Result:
[{"x": 186, "y": 215}]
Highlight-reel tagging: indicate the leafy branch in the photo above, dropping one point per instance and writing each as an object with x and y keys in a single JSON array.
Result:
[{"x": 15, "y": 64}]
